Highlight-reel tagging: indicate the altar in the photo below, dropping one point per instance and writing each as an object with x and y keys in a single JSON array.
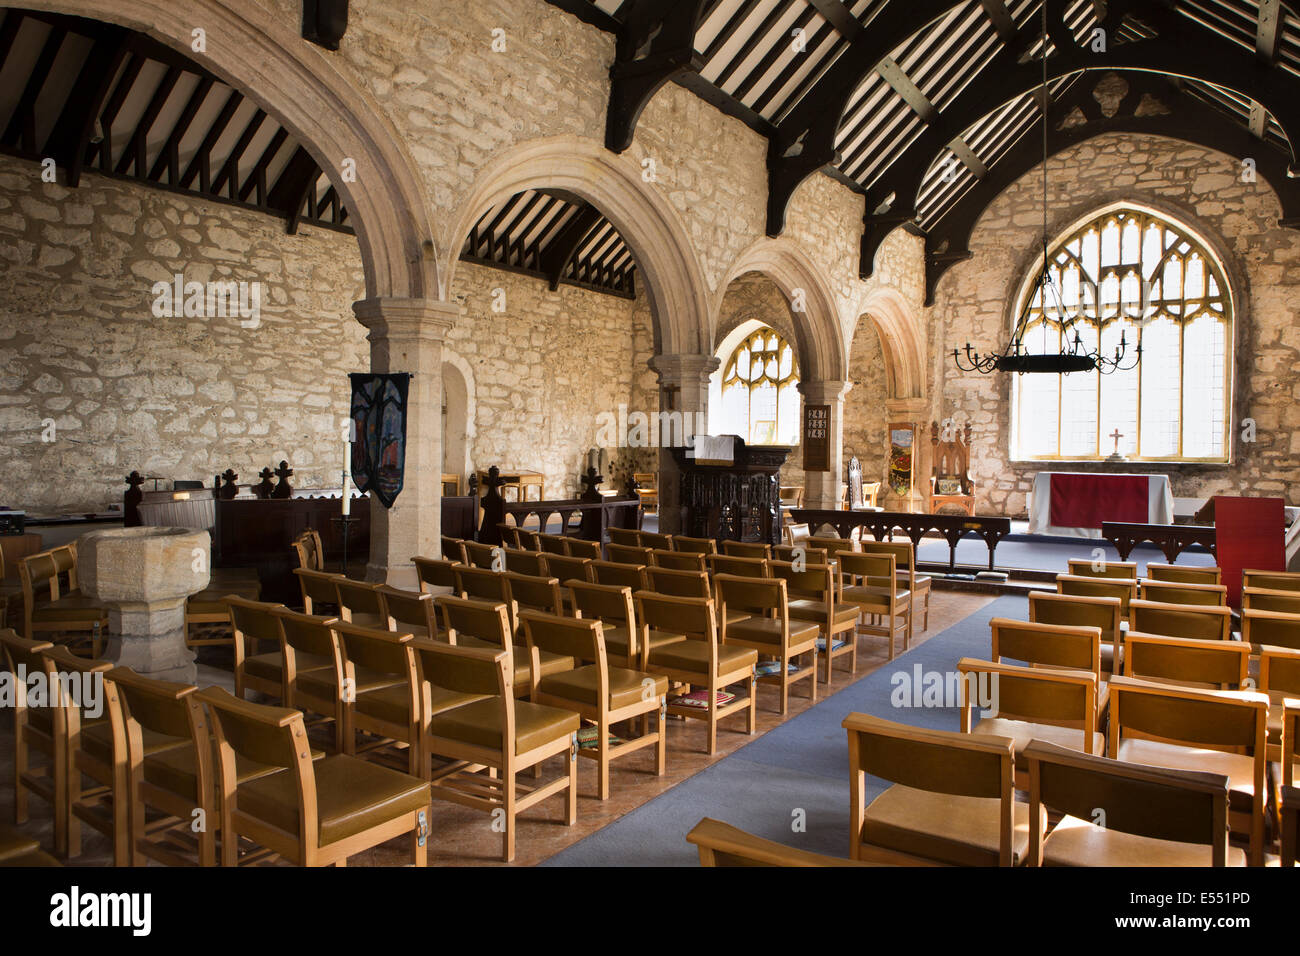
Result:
[{"x": 1074, "y": 504}]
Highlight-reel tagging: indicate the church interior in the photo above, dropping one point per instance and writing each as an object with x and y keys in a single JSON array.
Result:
[{"x": 682, "y": 433}]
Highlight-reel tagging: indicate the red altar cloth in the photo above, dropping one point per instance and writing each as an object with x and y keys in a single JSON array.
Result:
[
  {"x": 1249, "y": 534},
  {"x": 1085, "y": 501}
]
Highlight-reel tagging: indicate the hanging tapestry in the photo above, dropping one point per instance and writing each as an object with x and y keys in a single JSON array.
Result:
[{"x": 379, "y": 433}]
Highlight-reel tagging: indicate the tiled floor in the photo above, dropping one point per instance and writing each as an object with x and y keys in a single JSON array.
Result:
[{"x": 463, "y": 837}]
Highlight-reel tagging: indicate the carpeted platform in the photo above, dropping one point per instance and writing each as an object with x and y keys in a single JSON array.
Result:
[{"x": 800, "y": 766}]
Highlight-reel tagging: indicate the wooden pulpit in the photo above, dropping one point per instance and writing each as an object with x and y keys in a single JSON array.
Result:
[{"x": 732, "y": 501}]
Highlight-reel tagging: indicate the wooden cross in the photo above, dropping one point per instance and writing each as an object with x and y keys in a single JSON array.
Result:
[{"x": 1117, "y": 435}]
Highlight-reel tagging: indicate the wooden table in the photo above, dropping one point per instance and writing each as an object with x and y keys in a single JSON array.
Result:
[{"x": 1100, "y": 497}]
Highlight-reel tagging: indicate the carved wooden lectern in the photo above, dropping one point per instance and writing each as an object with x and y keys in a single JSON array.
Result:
[{"x": 739, "y": 501}]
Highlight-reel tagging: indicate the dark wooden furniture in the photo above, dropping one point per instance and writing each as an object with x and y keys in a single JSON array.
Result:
[
  {"x": 594, "y": 516},
  {"x": 950, "y": 465},
  {"x": 736, "y": 502},
  {"x": 882, "y": 524},
  {"x": 1172, "y": 539}
]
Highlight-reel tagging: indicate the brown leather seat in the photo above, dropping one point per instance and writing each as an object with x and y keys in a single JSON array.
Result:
[
  {"x": 626, "y": 687},
  {"x": 321, "y": 682},
  {"x": 368, "y": 619},
  {"x": 1023, "y": 731},
  {"x": 808, "y": 610},
  {"x": 942, "y": 826},
  {"x": 522, "y": 678},
  {"x": 352, "y": 796},
  {"x": 691, "y": 655},
  {"x": 768, "y": 630},
  {"x": 73, "y": 606},
  {"x": 393, "y": 703},
  {"x": 19, "y": 850},
  {"x": 1075, "y": 842},
  {"x": 866, "y": 594},
  {"x": 479, "y": 723},
  {"x": 271, "y": 666},
  {"x": 1238, "y": 768},
  {"x": 97, "y": 740},
  {"x": 173, "y": 769},
  {"x": 616, "y": 641}
]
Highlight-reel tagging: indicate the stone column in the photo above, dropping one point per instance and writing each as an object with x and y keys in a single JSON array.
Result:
[
  {"x": 684, "y": 389},
  {"x": 917, "y": 411},
  {"x": 825, "y": 489},
  {"x": 406, "y": 335}
]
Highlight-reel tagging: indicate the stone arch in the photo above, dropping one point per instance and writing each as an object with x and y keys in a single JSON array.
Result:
[
  {"x": 902, "y": 341},
  {"x": 460, "y": 402},
  {"x": 822, "y": 355},
  {"x": 263, "y": 56},
  {"x": 674, "y": 281}
]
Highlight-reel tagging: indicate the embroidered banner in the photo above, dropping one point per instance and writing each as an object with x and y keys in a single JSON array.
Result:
[{"x": 379, "y": 433}]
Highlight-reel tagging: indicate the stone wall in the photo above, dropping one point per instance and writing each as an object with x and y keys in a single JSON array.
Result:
[
  {"x": 1239, "y": 220},
  {"x": 865, "y": 418}
]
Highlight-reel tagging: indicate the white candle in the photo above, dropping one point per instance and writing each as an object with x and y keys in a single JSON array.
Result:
[{"x": 347, "y": 474}]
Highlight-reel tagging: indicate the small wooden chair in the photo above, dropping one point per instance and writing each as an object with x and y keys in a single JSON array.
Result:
[
  {"x": 1056, "y": 646},
  {"x": 409, "y": 612},
  {"x": 766, "y": 626},
  {"x": 814, "y": 597},
  {"x": 1178, "y": 592},
  {"x": 1103, "y": 613},
  {"x": 254, "y": 623},
  {"x": 391, "y": 713},
  {"x": 747, "y": 549},
  {"x": 1197, "y": 730},
  {"x": 488, "y": 741},
  {"x": 52, "y": 607},
  {"x": 596, "y": 690},
  {"x": 315, "y": 813},
  {"x": 1275, "y": 628},
  {"x": 37, "y": 729},
  {"x": 360, "y": 603},
  {"x": 1184, "y": 574},
  {"x": 482, "y": 585},
  {"x": 796, "y": 533},
  {"x": 627, "y": 537},
  {"x": 1271, "y": 580},
  {"x": 1213, "y": 665},
  {"x": 1201, "y": 622},
  {"x": 694, "y": 657},
  {"x": 809, "y": 554},
  {"x": 1153, "y": 816},
  {"x": 655, "y": 541},
  {"x": 1279, "y": 677},
  {"x": 309, "y": 551},
  {"x": 553, "y": 543},
  {"x": 527, "y": 539},
  {"x": 209, "y": 605},
  {"x": 916, "y": 585},
  {"x": 569, "y": 569},
  {"x": 745, "y": 567},
  {"x": 647, "y": 489},
  {"x": 721, "y": 844},
  {"x": 309, "y": 640},
  {"x": 521, "y": 561},
  {"x": 580, "y": 548},
  {"x": 474, "y": 622},
  {"x": 624, "y": 575},
  {"x": 535, "y": 593},
  {"x": 629, "y": 554},
  {"x": 952, "y": 801},
  {"x": 678, "y": 560},
  {"x": 509, "y": 534},
  {"x": 436, "y": 576},
  {"x": 482, "y": 555},
  {"x": 1091, "y": 568},
  {"x": 612, "y": 605},
  {"x": 1082, "y": 585},
  {"x": 694, "y": 545},
  {"x": 1261, "y": 599},
  {"x": 320, "y": 591},
  {"x": 453, "y": 549},
  {"x": 873, "y": 589}
]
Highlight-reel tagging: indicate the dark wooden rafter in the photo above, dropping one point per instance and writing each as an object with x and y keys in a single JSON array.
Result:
[
  {"x": 21, "y": 131},
  {"x": 230, "y": 168},
  {"x": 655, "y": 43},
  {"x": 104, "y": 148},
  {"x": 134, "y": 155},
  {"x": 69, "y": 139},
  {"x": 256, "y": 180},
  {"x": 555, "y": 258},
  {"x": 169, "y": 157},
  {"x": 296, "y": 184},
  {"x": 201, "y": 165}
]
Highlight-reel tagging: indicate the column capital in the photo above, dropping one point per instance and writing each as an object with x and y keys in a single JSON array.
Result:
[
  {"x": 826, "y": 392},
  {"x": 684, "y": 368},
  {"x": 390, "y": 317}
]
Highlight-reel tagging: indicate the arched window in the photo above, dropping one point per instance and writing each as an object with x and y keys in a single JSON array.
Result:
[
  {"x": 760, "y": 391},
  {"x": 1129, "y": 269}
]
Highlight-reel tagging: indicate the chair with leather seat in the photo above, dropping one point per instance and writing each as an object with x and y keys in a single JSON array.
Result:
[
  {"x": 629, "y": 554},
  {"x": 553, "y": 543},
  {"x": 488, "y": 742},
  {"x": 38, "y": 728},
  {"x": 654, "y": 540},
  {"x": 313, "y": 813},
  {"x": 1264, "y": 599},
  {"x": 255, "y": 624},
  {"x": 628, "y": 537},
  {"x": 453, "y": 549},
  {"x": 320, "y": 591},
  {"x": 509, "y": 534},
  {"x": 209, "y": 605},
  {"x": 1103, "y": 613},
  {"x": 721, "y": 844},
  {"x": 1082, "y": 585},
  {"x": 1058, "y": 646},
  {"x": 796, "y": 532},
  {"x": 1279, "y": 678},
  {"x": 916, "y": 585},
  {"x": 835, "y": 546},
  {"x": 691, "y": 654},
  {"x": 567, "y": 569},
  {"x": 528, "y": 540},
  {"x": 472, "y": 622},
  {"x": 1184, "y": 574},
  {"x": 747, "y": 549},
  {"x": 580, "y": 548},
  {"x": 1153, "y": 816},
  {"x": 409, "y": 612},
  {"x": 535, "y": 593},
  {"x": 1166, "y": 725},
  {"x": 53, "y": 604},
  {"x": 478, "y": 555},
  {"x": 309, "y": 551},
  {"x": 1275, "y": 628},
  {"x": 766, "y": 626},
  {"x": 19, "y": 850},
  {"x": 678, "y": 560},
  {"x": 360, "y": 603},
  {"x": 612, "y": 605},
  {"x": 522, "y": 561},
  {"x": 1198, "y": 621},
  {"x": 313, "y": 671},
  {"x": 1216, "y": 665},
  {"x": 620, "y": 574},
  {"x": 435, "y": 575},
  {"x": 952, "y": 800},
  {"x": 869, "y": 583},
  {"x": 814, "y": 597},
  {"x": 390, "y": 713},
  {"x": 694, "y": 545},
  {"x": 1180, "y": 592},
  {"x": 1090, "y": 567},
  {"x": 598, "y": 691},
  {"x": 482, "y": 585},
  {"x": 1029, "y": 703},
  {"x": 808, "y": 552},
  {"x": 746, "y": 567},
  {"x": 1289, "y": 799},
  {"x": 1271, "y": 580}
]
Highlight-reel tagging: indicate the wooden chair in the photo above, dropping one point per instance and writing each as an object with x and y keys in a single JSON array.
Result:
[
  {"x": 1290, "y": 744},
  {"x": 654, "y": 540},
  {"x": 917, "y": 585},
  {"x": 647, "y": 489},
  {"x": 360, "y": 603},
  {"x": 314, "y": 813},
  {"x": 744, "y": 567},
  {"x": 1214, "y": 665},
  {"x": 630, "y": 554},
  {"x": 171, "y": 795},
  {"x": 1197, "y": 730},
  {"x": 796, "y": 533},
  {"x": 626, "y": 537},
  {"x": 1153, "y": 816},
  {"x": 569, "y": 569},
  {"x": 1260, "y": 599},
  {"x": 521, "y": 561},
  {"x": 1178, "y": 592},
  {"x": 951, "y": 485},
  {"x": 1274, "y": 628},
  {"x": 721, "y": 844},
  {"x": 435, "y": 575},
  {"x": 578, "y": 548},
  {"x": 482, "y": 555},
  {"x": 209, "y": 605},
  {"x": 1102, "y": 613},
  {"x": 1279, "y": 678},
  {"x": 694, "y": 545},
  {"x": 678, "y": 560},
  {"x": 835, "y": 546},
  {"x": 535, "y": 593},
  {"x": 509, "y": 534},
  {"x": 474, "y": 622},
  {"x": 1057, "y": 646},
  {"x": 37, "y": 729},
  {"x": 488, "y": 741},
  {"x": 409, "y": 612},
  {"x": 1184, "y": 574},
  {"x": 597, "y": 691},
  {"x": 308, "y": 641},
  {"x": 53, "y": 607},
  {"x": 450, "y": 485},
  {"x": 18, "y": 850},
  {"x": 766, "y": 626},
  {"x": 1082, "y": 585},
  {"x": 528, "y": 539},
  {"x": 391, "y": 713},
  {"x": 1089, "y": 568},
  {"x": 482, "y": 585},
  {"x": 1271, "y": 580},
  {"x": 1030, "y": 703},
  {"x": 869, "y": 582},
  {"x": 612, "y": 605},
  {"x": 814, "y": 597},
  {"x": 623, "y": 575},
  {"x": 1290, "y": 836},
  {"x": 320, "y": 591},
  {"x": 695, "y": 658},
  {"x": 791, "y": 496},
  {"x": 453, "y": 549},
  {"x": 553, "y": 544},
  {"x": 253, "y": 624},
  {"x": 952, "y": 801},
  {"x": 1201, "y": 622},
  {"x": 810, "y": 555},
  {"x": 309, "y": 551},
  {"x": 746, "y": 549},
  {"x": 693, "y": 584}
]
